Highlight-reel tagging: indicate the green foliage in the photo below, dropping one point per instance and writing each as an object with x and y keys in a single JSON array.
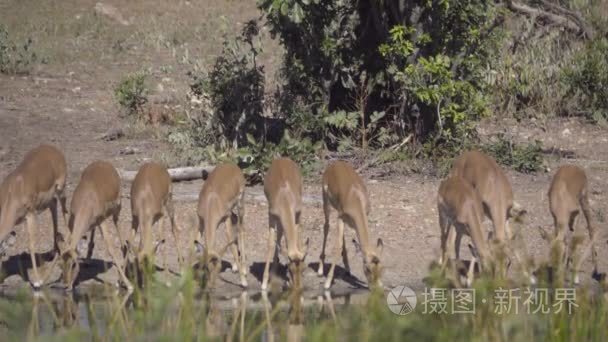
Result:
[
  {"x": 525, "y": 158},
  {"x": 256, "y": 157},
  {"x": 15, "y": 58},
  {"x": 420, "y": 63},
  {"x": 131, "y": 93},
  {"x": 182, "y": 312},
  {"x": 587, "y": 80},
  {"x": 235, "y": 87}
]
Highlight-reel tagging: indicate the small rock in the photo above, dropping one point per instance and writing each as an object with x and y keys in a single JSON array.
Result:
[
  {"x": 128, "y": 151},
  {"x": 112, "y": 134},
  {"x": 76, "y": 90},
  {"x": 111, "y": 12},
  {"x": 566, "y": 132}
]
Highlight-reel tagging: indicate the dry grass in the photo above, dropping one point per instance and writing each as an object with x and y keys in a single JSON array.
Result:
[{"x": 165, "y": 37}]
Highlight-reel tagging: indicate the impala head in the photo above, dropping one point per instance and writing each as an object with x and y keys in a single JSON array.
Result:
[
  {"x": 372, "y": 267},
  {"x": 517, "y": 212},
  {"x": 297, "y": 265},
  {"x": 67, "y": 253}
]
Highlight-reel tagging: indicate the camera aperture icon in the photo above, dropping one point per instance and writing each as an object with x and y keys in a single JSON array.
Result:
[{"x": 401, "y": 300}]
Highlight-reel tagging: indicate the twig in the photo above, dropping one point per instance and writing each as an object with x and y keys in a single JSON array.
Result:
[{"x": 391, "y": 149}]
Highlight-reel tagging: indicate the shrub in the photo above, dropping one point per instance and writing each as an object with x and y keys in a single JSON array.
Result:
[
  {"x": 587, "y": 80},
  {"x": 525, "y": 158},
  {"x": 410, "y": 62},
  {"x": 14, "y": 58},
  {"x": 235, "y": 88},
  {"x": 256, "y": 157},
  {"x": 131, "y": 93}
]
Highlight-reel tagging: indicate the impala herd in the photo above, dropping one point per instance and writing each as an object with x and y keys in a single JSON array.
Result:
[{"x": 475, "y": 187}]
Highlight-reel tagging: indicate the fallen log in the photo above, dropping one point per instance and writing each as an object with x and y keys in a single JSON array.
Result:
[
  {"x": 177, "y": 174},
  {"x": 571, "y": 23},
  {"x": 255, "y": 194}
]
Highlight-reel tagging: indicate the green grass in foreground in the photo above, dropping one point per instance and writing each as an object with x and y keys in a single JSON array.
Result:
[{"x": 184, "y": 313}]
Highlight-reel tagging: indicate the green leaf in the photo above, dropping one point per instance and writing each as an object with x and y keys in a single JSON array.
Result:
[
  {"x": 284, "y": 8},
  {"x": 297, "y": 14}
]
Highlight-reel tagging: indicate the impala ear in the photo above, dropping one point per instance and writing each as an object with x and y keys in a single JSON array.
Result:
[
  {"x": 517, "y": 212},
  {"x": 357, "y": 246},
  {"x": 158, "y": 244},
  {"x": 473, "y": 251},
  {"x": 198, "y": 247},
  {"x": 379, "y": 247}
]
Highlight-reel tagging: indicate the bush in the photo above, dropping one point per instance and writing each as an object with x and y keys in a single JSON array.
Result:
[
  {"x": 14, "y": 58},
  {"x": 526, "y": 158},
  {"x": 235, "y": 88},
  {"x": 257, "y": 157},
  {"x": 131, "y": 93},
  {"x": 587, "y": 80},
  {"x": 420, "y": 63}
]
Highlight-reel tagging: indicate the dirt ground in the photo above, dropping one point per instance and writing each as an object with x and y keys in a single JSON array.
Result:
[{"x": 69, "y": 103}]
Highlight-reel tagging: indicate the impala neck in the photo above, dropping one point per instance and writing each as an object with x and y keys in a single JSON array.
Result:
[
  {"x": 287, "y": 217},
  {"x": 359, "y": 218}
]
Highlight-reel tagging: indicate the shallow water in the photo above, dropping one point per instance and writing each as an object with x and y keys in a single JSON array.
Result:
[{"x": 100, "y": 312}]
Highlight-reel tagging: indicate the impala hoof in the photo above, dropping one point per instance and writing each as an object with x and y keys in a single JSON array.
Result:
[
  {"x": 327, "y": 285},
  {"x": 37, "y": 285},
  {"x": 235, "y": 268}
]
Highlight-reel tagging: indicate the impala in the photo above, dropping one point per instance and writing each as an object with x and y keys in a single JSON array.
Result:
[
  {"x": 283, "y": 190},
  {"x": 568, "y": 196},
  {"x": 96, "y": 198},
  {"x": 223, "y": 192},
  {"x": 344, "y": 190},
  {"x": 151, "y": 202},
  {"x": 38, "y": 183}
]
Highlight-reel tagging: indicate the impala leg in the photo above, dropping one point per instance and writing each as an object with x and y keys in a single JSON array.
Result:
[
  {"x": 444, "y": 227},
  {"x": 344, "y": 254},
  {"x": 63, "y": 202},
  {"x": 73, "y": 271},
  {"x": 326, "y": 212},
  {"x": 590, "y": 228},
  {"x": 451, "y": 241},
  {"x": 277, "y": 246},
  {"x": 269, "y": 251},
  {"x": 339, "y": 241},
  {"x": 30, "y": 222},
  {"x": 131, "y": 238},
  {"x": 105, "y": 232},
  {"x": 55, "y": 221},
  {"x": 170, "y": 211},
  {"x": 236, "y": 265},
  {"x": 161, "y": 229},
  {"x": 115, "y": 217},
  {"x": 457, "y": 241},
  {"x": 240, "y": 239},
  {"x": 233, "y": 248},
  {"x": 91, "y": 244}
]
